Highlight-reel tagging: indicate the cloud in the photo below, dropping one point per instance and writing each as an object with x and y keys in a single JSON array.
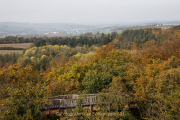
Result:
[{"x": 78, "y": 11}]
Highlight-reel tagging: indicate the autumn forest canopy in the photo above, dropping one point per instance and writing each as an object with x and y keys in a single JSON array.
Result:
[{"x": 143, "y": 63}]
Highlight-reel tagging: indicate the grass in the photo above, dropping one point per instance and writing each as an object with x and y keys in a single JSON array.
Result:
[
  {"x": 11, "y": 51},
  {"x": 109, "y": 32},
  {"x": 18, "y": 45},
  {"x": 164, "y": 27},
  {"x": 119, "y": 31},
  {"x": 2, "y": 36}
]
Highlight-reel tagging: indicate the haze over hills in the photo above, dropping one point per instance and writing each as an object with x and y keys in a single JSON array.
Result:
[
  {"x": 18, "y": 28},
  {"x": 43, "y": 29}
]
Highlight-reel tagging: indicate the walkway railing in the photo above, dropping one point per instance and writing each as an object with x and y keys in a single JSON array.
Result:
[{"x": 71, "y": 101}]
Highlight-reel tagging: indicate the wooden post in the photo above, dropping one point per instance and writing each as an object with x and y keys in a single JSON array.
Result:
[
  {"x": 91, "y": 108},
  {"x": 59, "y": 106},
  {"x": 90, "y": 101},
  {"x": 66, "y": 108},
  {"x": 49, "y": 109}
]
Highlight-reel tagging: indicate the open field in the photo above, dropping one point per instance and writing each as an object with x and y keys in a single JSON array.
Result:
[
  {"x": 119, "y": 31},
  {"x": 18, "y": 45},
  {"x": 2, "y": 36},
  {"x": 109, "y": 32},
  {"x": 11, "y": 51},
  {"x": 164, "y": 27}
]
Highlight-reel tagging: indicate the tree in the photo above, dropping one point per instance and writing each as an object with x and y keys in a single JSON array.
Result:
[
  {"x": 95, "y": 81},
  {"x": 27, "y": 94}
]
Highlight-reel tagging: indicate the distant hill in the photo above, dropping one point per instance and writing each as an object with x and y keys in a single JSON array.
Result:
[
  {"x": 20, "y": 24},
  {"x": 15, "y": 28}
]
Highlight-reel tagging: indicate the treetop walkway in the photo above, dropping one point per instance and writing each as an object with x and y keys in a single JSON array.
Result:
[{"x": 62, "y": 102}]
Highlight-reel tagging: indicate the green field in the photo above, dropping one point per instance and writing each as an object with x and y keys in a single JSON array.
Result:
[
  {"x": 109, "y": 32},
  {"x": 119, "y": 31},
  {"x": 164, "y": 27}
]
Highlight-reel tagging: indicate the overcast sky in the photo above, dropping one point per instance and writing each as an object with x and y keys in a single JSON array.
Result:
[{"x": 88, "y": 11}]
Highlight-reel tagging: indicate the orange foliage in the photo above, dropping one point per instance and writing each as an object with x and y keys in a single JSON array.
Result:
[
  {"x": 171, "y": 48},
  {"x": 102, "y": 52}
]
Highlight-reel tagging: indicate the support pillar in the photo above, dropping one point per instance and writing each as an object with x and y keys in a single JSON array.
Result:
[
  {"x": 59, "y": 106},
  {"x": 91, "y": 107},
  {"x": 49, "y": 110}
]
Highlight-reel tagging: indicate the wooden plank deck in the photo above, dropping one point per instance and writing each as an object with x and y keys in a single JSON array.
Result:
[{"x": 63, "y": 102}]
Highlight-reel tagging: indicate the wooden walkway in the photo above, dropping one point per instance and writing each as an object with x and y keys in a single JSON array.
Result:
[{"x": 62, "y": 102}]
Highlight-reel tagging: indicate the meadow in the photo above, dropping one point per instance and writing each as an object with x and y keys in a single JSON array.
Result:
[
  {"x": 164, "y": 27},
  {"x": 19, "y": 45},
  {"x": 109, "y": 32}
]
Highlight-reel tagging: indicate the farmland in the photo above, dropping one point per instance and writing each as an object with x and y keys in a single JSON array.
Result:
[{"x": 19, "y": 45}]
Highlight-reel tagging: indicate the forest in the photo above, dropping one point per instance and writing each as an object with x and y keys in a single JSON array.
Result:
[{"x": 143, "y": 63}]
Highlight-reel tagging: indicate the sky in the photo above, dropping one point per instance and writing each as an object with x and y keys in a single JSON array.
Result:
[{"x": 88, "y": 11}]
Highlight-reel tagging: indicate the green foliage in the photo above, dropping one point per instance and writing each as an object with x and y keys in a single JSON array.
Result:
[
  {"x": 73, "y": 41},
  {"x": 25, "y": 102},
  {"x": 137, "y": 36},
  {"x": 9, "y": 58},
  {"x": 10, "y": 48},
  {"x": 27, "y": 94},
  {"x": 95, "y": 81},
  {"x": 11, "y": 39},
  {"x": 89, "y": 76}
]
